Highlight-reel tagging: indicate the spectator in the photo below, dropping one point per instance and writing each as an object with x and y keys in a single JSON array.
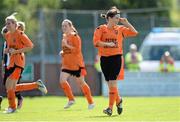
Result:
[
  {"x": 166, "y": 63},
  {"x": 133, "y": 58}
]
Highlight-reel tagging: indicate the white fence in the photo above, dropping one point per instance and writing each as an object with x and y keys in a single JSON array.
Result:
[{"x": 148, "y": 84}]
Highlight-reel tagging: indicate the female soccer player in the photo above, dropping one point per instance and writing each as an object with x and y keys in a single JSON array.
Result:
[
  {"x": 108, "y": 39},
  {"x": 73, "y": 64},
  {"x": 5, "y": 57},
  {"x": 17, "y": 44}
]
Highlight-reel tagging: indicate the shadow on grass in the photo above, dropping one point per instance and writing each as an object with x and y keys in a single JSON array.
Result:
[
  {"x": 67, "y": 110},
  {"x": 102, "y": 116}
]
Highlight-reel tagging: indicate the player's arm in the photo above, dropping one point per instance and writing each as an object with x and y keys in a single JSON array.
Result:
[
  {"x": 77, "y": 44},
  {"x": 125, "y": 22},
  {"x": 27, "y": 45},
  {"x": 65, "y": 43},
  {"x": 105, "y": 44}
]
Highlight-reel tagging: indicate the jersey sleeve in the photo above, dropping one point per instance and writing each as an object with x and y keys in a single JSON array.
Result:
[
  {"x": 127, "y": 32},
  {"x": 76, "y": 44},
  {"x": 97, "y": 36},
  {"x": 25, "y": 40}
]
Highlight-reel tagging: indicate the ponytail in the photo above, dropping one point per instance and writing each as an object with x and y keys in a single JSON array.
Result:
[{"x": 103, "y": 16}]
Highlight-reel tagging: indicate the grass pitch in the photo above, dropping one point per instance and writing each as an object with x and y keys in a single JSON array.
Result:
[{"x": 135, "y": 109}]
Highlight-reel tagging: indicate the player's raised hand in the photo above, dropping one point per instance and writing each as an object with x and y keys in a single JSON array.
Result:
[{"x": 124, "y": 21}]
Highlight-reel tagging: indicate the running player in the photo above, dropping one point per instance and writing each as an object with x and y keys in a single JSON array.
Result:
[
  {"x": 5, "y": 59},
  {"x": 73, "y": 64},
  {"x": 17, "y": 44},
  {"x": 108, "y": 39}
]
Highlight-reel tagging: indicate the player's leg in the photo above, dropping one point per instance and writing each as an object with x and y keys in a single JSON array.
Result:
[
  {"x": 4, "y": 83},
  {"x": 112, "y": 84},
  {"x": 19, "y": 98},
  {"x": 31, "y": 86},
  {"x": 10, "y": 87},
  {"x": 67, "y": 89},
  {"x": 111, "y": 68},
  {"x": 86, "y": 91},
  {"x": 1, "y": 98}
]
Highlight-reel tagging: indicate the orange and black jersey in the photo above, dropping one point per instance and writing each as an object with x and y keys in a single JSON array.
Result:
[
  {"x": 17, "y": 40},
  {"x": 72, "y": 59},
  {"x": 115, "y": 35}
]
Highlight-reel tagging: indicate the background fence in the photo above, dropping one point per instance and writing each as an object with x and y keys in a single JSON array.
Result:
[
  {"x": 86, "y": 22},
  {"x": 147, "y": 84},
  {"x": 46, "y": 34}
]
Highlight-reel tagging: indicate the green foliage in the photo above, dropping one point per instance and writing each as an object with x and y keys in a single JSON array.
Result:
[
  {"x": 106, "y": 4},
  {"x": 27, "y": 11},
  {"x": 51, "y": 4},
  {"x": 87, "y": 4},
  {"x": 9, "y": 4}
]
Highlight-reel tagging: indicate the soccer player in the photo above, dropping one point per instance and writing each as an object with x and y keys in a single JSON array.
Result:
[
  {"x": 5, "y": 62},
  {"x": 17, "y": 44},
  {"x": 73, "y": 64},
  {"x": 108, "y": 39}
]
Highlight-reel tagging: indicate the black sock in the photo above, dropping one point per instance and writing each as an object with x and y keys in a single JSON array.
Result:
[{"x": 18, "y": 95}]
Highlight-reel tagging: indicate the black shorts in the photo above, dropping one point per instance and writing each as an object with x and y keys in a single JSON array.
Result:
[
  {"x": 111, "y": 66},
  {"x": 76, "y": 73},
  {"x": 9, "y": 71}
]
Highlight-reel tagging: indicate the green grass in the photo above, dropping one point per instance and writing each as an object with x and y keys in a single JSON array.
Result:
[{"x": 135, "y": 109}]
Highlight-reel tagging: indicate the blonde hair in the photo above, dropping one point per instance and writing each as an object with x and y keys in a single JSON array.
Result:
[
  {"x": 12, "y": 18},
  {"x": 70, "y": 24},
  {"x": 21, "y": 25}
]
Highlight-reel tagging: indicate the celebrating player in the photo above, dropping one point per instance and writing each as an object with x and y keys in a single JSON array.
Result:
[{"x": 108, "y": 39}]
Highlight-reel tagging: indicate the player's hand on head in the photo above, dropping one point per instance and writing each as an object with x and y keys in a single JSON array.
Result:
[{"x": 123, "y": 20}]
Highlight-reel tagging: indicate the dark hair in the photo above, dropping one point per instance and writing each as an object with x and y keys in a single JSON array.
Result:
[
  {"x": 4, "y": 30},
  {"x": 111, "y": 12}
]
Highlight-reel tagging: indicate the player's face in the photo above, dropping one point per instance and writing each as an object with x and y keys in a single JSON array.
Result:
[
  {"x": 10, "y": 25},
  {"x": 20, "y": 27},
  {"x": 114, "y": 20},
  {"x": 65, "y": 27}
]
